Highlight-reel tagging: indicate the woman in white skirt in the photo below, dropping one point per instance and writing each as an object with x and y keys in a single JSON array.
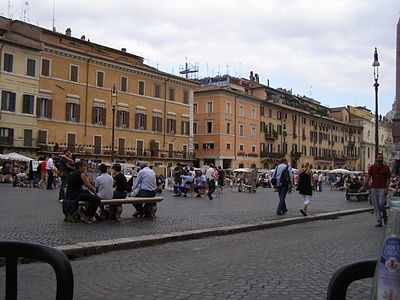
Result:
[{"x": 304, "y": 186}]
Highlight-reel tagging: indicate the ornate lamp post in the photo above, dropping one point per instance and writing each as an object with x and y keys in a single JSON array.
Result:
[
  {"x": 376, "y": 65},
  {"x": 113, "y": 103}
]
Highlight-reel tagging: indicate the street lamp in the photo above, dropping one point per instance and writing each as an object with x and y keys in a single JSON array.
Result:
[
  {"x": 113, "y": 103},
  {"x": 376, "y": 64}
]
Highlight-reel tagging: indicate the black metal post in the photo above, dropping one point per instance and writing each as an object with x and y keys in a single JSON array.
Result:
[
  {"x": 376, "y": 65},
  {"x": 112, "y": 135}
]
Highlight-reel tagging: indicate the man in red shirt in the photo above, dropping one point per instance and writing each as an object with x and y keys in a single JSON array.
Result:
[
  {"x": 43, "y": 173},
  {"x": 380, "y": 175}
]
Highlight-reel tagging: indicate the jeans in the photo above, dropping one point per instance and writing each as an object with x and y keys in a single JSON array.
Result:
[
  {"x": 211, "y": 186},
  {"x": 61, "y": 194},
  {"x": 282, "y": 191},
  {"x": 93, "y": 200},
  {"x": 140, "y": 207},
  {"x": 50, "y": 179},
  {"x": 119, "y": 195},
  {"x": 378, "y": 199}
]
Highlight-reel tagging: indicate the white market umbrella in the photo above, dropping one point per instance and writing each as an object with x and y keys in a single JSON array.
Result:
[
  {"x": 340, "y": 171},
  {"x": 241, "y": 170},
  {"x": 17, "y": 156},
  {"x": 2, "y": 156}
]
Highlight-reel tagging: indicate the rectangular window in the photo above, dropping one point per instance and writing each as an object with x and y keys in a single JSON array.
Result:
[
  {"x": 141, "y": 121},
  {"x": 171, "y": 94},
  {"x": 253, "y": 149},
  {"x": 196, "y": 146},
  {"x": 278, "y": 115},
  {"x": 98, "y": 116},
  {"x": 253, "y": 113},
  {"x": 123, "y": 119},
  {"x": 171, "y": 126},
  {"x": 45, "y": 67},
  {"x": 42, "y": 137},
  {"x": 72, "y": 112},
  {"x": 8, "y": 62},
  {"x": 241, "y": 130},
  {"x": 157, "y": 124},
  {"x": 209, "y": 107},
  {"x": 97, "y": 144},
  {"x": 121, "y": 146},
  {"x": 241, "y": 147},
  {"x": 71, "y": 141},
  {"x": 228, "y": 146},
  {"x": 141, "y": 87},
  {"x": 195, "y": 108},
  {"x": 209, "y": 127},
  {"x": 270, "y": 113},
  {"x": 27, "y": 138},
  {"x": 185, "y": 127},
  {"x": 124, "y": 84},
  {"x": 195, "y": 128},
  {"x": 157, "y": 91},
  {"x": 186, "y": 97},
  {"x": 228, "y": 108},
  {"x": 262, "y": 108},
  {"x": 241, "y": 111},
  {"x": 139, "y": 147},
  {"x": 6, "y": 136},
  {"x": 228, "y": 127},
  {"x": 253, "y": 131},
  {"x": 8, "y": 101},
  {"x": 100, "y": 79},
  {"x": 31, "y": 67},
  {"x": 28, "y": 102},
  {"x": 74, "y": 71}
]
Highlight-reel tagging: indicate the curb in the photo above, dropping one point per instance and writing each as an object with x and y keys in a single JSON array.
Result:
[{"x": 99, "y": 247}]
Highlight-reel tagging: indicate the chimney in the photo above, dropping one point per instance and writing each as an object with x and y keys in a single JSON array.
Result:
[
  {"x": 257, "y": 78},
  {"x": 123, "y": 49},
  {"x": 68, "y": 32}
]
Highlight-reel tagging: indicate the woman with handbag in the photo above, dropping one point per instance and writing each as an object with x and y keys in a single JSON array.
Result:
[{"x": 304, "y": 186}]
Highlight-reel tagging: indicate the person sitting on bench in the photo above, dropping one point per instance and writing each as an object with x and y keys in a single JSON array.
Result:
[
  {"x": 352, "y": 186},
  {"x": 76, "y": 193},
  {"x": 184, "y": 186},
  {"x": 200, "y": 184},
  {"x": 146, "y": 180}
]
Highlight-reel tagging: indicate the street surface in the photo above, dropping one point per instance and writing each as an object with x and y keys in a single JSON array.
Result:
[
  {"x": 290, "y": 263},
  {"x": 35, "y": 215}
]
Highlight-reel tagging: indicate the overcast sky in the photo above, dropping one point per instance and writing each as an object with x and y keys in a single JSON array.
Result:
[{"x": 318, "y": 48}]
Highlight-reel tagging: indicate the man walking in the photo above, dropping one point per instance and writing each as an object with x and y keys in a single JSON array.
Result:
[
  {"x": 50, "y": 169},
  {"x": 284, "y": 182},
  {"x": 210, "y": 176},
  {"x": 380, "y": 175}
]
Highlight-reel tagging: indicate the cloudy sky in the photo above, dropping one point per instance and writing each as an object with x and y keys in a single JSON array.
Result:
[{"x": 318, "y": 48}]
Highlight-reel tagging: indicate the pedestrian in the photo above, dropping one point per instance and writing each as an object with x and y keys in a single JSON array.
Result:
[
  {"x": 65, "y": 169},
  {"x": 305, "y": 186},
  {"x": 221, "y": 178},
  {"x": 178, "y": 171},
  {"x": 43, "y": 173},
  {"x": 50, "y": 172},
  {"x": 75, "y": 193},
  {"x": 146, "y": 180},
  {"x": 104, "y": 188},
  {"x": 320, "y": 179},
  {"x": 254, "y": 178},
  {"x": 379, "y": 173},
  {"x": 284, "y": 182},
  {"x": 210, "y": 176}
]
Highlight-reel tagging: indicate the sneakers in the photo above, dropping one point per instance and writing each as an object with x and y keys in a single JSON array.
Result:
[
  {"x": 209, "y": 197},
  {"x": 303, "y": 212},
  {"x": 378, "y": 225},
  {"x": 86, "y": 219}
]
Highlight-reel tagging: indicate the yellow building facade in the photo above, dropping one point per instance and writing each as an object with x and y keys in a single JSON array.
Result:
[{"x": 19, "y": 78}]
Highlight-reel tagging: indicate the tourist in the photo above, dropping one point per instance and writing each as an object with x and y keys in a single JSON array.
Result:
[
  {"x": 284, "y": 182},
  {"x": 146, "y": 181},
  {"x": 380, "y": 175},
  {"x": 50, "y": 172},
  {"x": 210, "y": 176},
  {"x": 104, "y": 188},
  {"x": 305, "y": 186},
  {"x": 65, "y": 169}
]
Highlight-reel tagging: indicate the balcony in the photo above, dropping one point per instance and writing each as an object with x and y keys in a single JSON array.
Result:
[
  {"x": 295, "y": 155},
  {"x": 252, "y": 154},
  {"x": 266, "y": 154},
  {"x": 241, "y": 154},
  {"x": 323, "y": 158},
  {"x": 271, "y": 135}
]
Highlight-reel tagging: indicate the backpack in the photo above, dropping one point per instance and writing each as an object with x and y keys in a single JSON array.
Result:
[{"x": 285, "y": 176}]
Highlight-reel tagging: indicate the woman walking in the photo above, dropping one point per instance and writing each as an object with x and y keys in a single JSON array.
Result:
[{"x": 304, "y": 186}]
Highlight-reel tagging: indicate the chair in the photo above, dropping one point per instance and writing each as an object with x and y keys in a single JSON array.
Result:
[
  {"x": 343, "y": 277},
  {"x": 12, "y": 250}
]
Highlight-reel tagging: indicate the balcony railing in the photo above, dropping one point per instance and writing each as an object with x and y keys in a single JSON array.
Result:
[
  {"x": 6, "y": 141},
  {"x": 295, "y": 155},
  {"x": 271, "y": 135},
  {"x": 267, "y": 154},
  {"x": 323, "y": 158}
]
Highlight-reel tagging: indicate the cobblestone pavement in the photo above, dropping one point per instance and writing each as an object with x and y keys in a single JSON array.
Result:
[
  {"x": 35, "y": 215},
  {"x": 290, "y": 263}
]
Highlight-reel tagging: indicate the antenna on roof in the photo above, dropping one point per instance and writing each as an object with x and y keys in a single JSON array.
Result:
[
  {"x": 189, "y": 69},
  {"x": 25, "y": 11},
  {"x": 9, "y": 9},
  {"x": 54, "y": 12}
]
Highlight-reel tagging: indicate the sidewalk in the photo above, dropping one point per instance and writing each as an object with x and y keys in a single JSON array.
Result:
[{"x": 35, "y": 215}]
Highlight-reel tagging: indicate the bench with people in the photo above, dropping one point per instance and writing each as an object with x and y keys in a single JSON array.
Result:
[
  {"x": 108, "y": 194},
  {"x": 353, "y": 192}
]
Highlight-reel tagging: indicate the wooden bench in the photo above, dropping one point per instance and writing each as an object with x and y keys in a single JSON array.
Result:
[
  {"x": 150, "y": 207},
  {"x": 360, "y": 196}
]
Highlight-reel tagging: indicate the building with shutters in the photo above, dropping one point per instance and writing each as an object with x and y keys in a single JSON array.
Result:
[
  {"x": 85, "y": 92},
  {"x": 19, "y": 78}
]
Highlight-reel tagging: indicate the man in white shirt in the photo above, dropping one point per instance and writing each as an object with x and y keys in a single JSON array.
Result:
[
  {"x": 210, "y": 176},
  {"x": 104, "y": 188},
  {"x": 319, "y": 181},
  {"x": 50, "y": 170},
  {"x": 284, "y": 177}
]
